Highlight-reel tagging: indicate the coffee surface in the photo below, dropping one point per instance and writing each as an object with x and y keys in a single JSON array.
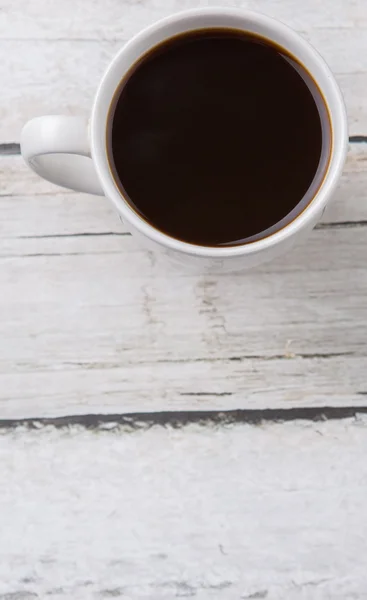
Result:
[{"x": 216, "y": 136}]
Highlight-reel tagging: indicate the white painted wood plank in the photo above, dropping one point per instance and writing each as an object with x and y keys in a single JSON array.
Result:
[
  {"x": 98, "y": 385},
  {"x": 267, "y": 512},
  {"x": 31, "y": 206},
  {"x": 102, "y": 326},
  {"x": 94, "y": 323},
  {"x": 90, "y": 19},
  {"x": 61, "y": 75},
  {"x": 54, "y": 97}
]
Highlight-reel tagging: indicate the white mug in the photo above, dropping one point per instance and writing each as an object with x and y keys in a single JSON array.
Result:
[{"x": 72, "y": 151}]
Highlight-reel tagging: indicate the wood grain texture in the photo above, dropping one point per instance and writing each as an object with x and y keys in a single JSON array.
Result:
[
  {"x": 244, "y": 512},
  {"x": 45, "y": 20},
  {"x": 61, "y": 76},
  {"x": 33, "y": 207},
  {"x": 91, "y": 322},
  {"x": 57, "y": 52}
]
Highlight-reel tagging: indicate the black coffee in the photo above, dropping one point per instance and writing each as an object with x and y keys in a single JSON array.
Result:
[{"x": 217, "y": 136}]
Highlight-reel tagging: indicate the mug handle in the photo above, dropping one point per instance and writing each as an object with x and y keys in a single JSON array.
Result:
[{"x": 57, "y": 148}]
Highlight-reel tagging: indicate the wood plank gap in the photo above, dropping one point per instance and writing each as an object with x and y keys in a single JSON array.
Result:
[
  {"x": 342, "y": 225},
  {"x": 10, "y": 149},
  {"x": 75, "y": 235},
  {"x": 13, "y": 148},
  {"x": 178, "y": 419},
  {"x": 358, "y": 139}
]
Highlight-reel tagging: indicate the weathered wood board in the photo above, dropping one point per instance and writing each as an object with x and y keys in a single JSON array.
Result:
[
  {"x": 268, "y": 512},
  {"x": 90, "y": 322}
]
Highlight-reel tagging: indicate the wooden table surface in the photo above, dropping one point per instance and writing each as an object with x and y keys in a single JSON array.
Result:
[{"x": 161, "y": 431}]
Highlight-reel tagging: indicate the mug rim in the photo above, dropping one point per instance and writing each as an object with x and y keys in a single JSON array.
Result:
[{"x": 101, "y": 110}]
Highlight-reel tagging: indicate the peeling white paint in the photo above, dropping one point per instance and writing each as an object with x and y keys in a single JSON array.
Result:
[{"x": 273, "y": 511}]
